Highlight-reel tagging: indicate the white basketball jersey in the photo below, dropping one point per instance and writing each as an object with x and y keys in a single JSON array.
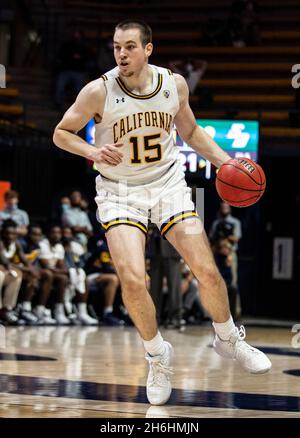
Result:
[{"x": 143, "y": 123}]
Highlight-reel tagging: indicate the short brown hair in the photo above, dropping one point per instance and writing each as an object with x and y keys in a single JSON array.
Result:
[
  {"x": 144, "y": 28},
  {"x": 11, "y": 194}
]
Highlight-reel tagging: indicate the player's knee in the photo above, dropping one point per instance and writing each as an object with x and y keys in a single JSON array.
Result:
[
  {"x": 210, "y": 277},
  {"x": 132, "y": 284}
]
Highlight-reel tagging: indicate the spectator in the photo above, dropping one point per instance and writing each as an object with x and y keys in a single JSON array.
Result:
[
  {"x": 10, "y": 283},
  {"x": 228, "y": 227},
  {"x": 77, "y": 219},
  {"x": 192, "y": 69},
  {"x": 77, "y": 285},
  {"x": 10, "y": 275},
  {"x": 12, "y": 211},
  {"x": 223, "y": 253},
  {"x": 165, "y": 262},
  {"x": 31, "y": 248},
  {"x": 65, "y": 203},
  {"x": 52, "y": 259},
  {"x": 13, "y": 252},
  {"x": 192, "y": 308},
  {"x": 101, "y": 274},
  {"x": 84, "y": 205}
]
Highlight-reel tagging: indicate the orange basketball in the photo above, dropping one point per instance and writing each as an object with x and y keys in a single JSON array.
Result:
[{"x": 240, "y": 182}]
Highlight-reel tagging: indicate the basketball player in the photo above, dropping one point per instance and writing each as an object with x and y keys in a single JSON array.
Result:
[{"x": 134, "y": 107}]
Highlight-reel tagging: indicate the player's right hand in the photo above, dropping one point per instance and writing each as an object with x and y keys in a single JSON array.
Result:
[{"x": 107, "y": 154}]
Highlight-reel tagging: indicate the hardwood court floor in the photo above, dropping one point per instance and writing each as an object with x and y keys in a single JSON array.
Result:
[{"x": 100, "y": 372}]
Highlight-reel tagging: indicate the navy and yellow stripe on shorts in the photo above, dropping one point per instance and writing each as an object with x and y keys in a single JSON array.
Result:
[
  {"x": 124, "y": 221},
  {"x": 166, "y": 226}
]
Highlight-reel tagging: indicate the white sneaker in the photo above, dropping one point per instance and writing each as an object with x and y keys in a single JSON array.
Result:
[
  {"x": 44, "y": 317},
  {"x": 250, "y": 358},
  {"x": 61, "y": 319},
  {"x": 158, "y": 382},
  {"x": 86, "y": 319}
]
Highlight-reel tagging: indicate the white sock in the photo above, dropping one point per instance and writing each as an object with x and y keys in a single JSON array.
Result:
[
  {"x": 68, "y": 307},
  {"x": 108, "y": 309},
  {"x": 224, "y": 329},
  {"x": 40, "y": 309},
  {"x": 155, "y": 346},
  {"x": 59, "y": 309},
  {"x": 124, "y": 310},
  {"x": 26, "y": 305},
  {"x": 82, "y": 309}
]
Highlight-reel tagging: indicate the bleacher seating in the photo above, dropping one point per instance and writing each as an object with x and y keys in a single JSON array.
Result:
[{"x": 246, "y": 82}]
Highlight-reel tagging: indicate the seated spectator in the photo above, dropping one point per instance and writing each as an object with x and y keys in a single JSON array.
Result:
[
  {"x": 31, "y": 248},
  {"x": 51, "y": 258},
  {"x": 101, "y": 274},
  {"x": 77, "y": 219},
  {"x": 77, "y": 286},
  {"x": 10, "y": 283},
  {"x": 12, "y": 211},
  {"x": 12, "y": 251}
]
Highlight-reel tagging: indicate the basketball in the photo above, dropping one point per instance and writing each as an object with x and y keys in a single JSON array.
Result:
[{"x": 240, "y": 182}]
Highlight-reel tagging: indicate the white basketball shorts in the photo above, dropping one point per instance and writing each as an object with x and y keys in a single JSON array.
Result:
[{"x": 164, "y": 202}]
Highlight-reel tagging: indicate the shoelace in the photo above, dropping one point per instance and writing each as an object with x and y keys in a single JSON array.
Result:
[
  {"x": 160, "y": 371},
  {"x": 240, "y": 336}
]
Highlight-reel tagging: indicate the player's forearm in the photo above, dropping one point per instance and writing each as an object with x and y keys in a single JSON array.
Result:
[
  {"x": 202, "y": 143},
  {"x": 72, "y": 143}
]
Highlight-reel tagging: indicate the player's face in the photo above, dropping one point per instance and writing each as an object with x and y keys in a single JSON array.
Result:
[{"x": 130, "y": 55}]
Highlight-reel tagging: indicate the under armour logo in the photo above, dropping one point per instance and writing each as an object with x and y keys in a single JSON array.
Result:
[
  {"x": 120, "y": 100},
  {"x": 166, "y": 93}
]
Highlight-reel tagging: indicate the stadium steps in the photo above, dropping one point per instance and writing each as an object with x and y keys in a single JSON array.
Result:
[
  {"x": 246, "y": 99},
  {"x": 9, "y": 92},
  {"x": 35, "y": 87},
  {"x": 245, "y": 83},
  {"x": 11, "y": 110}
]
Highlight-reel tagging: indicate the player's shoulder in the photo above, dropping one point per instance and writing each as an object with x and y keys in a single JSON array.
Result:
[
  {"x": 162, "y": 70},
  {"x": 180, "y": 82},
  {"x": 94, "y": 89},
  {"x": 182, "y": 88},
  {"x": 110, "y": 75}
]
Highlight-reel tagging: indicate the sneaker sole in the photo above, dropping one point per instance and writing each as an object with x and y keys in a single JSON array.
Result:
[
  {"x": 263, "y": 371},
  {"x": 163, "y": 402}
]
